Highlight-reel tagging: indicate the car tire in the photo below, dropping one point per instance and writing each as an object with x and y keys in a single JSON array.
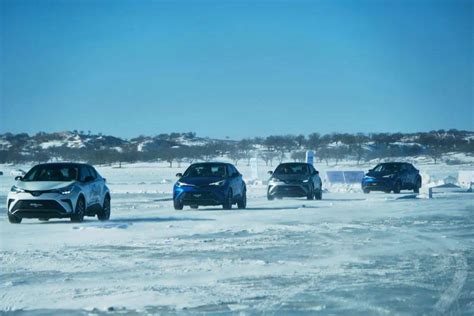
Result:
[
  {"x": 43, "y": 219},
  {"x": 104, "y": 214},
  {"x": 318, "y": 195},
  {"x": 178, "y": 205},
  {"x": 14, "y": 219},
  {"x": 80, "y": 210},
  {"x": 242, "y": 204},
  {"x": 397, "y": 187},
  {"x": 417, "y": 187},
  {"x": 366, "y": 191},
  {"x": 194, "y": 207},
  {"x": 227, "y": 205},
  {"x": 310, "y": 195},
  {"x": 270, "y": 197}
]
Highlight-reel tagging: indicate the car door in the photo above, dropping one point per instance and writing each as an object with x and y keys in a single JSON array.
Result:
[
  {"x": 100, "y": 186},
  {"x": 405, "y": 176},
  {"x": 411, "y": 174},
  {"x": 239, "y": 181},
  {"x": 94, "y": 186},
  {"x": 86, "y": 185},
  {"x": 315, "y": 177},
  {"x": 234, "y": 180}
]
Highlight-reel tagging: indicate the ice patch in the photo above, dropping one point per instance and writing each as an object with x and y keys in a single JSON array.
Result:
[{"x": 104, "y": 226}]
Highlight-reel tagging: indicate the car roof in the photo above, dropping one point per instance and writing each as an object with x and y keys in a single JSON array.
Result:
[
  {"x": 211, "y": 163},
  {"x": 63, "y": 164}
]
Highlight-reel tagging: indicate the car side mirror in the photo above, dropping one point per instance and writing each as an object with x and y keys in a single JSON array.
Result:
[
  {"x": 270, "y": 172},
  {"x": 18, "y": 178},
  {"x": 179, "y": 174},
  {"x": 316, "y": 172},
  {"x": 105, "y": 180}
]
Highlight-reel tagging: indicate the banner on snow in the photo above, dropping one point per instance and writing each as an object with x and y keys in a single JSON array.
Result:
[{"x": 346, "y": 177}]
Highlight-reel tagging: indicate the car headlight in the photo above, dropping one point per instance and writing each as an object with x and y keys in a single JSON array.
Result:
[
  {"x": 65, "y": 191},
  {"x": 306, "y": 181},
  {"x": 368, "y": 178},
  {"x": 218, "y": 183},
  {"x": 16, "y": 189},
  {"x": 182, "y": 184}
]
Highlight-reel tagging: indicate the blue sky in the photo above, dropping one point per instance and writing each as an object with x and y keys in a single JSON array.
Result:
[{"x": 236, "y": 68}]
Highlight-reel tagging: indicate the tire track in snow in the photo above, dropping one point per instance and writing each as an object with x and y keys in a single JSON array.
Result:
[{"x": 451, "y": 294}]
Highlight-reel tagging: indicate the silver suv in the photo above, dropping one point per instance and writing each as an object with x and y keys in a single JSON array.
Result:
[
  {"x": 59, "y": 190},
  {"x": 295, "y": 180}
]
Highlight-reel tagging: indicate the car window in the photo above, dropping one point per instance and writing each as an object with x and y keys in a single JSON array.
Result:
[
  {"x": 84, "y": 173},
  {"x": 392, "y": 167},
  {"x": 292, "y": 169},
  {"x": 232, "y": 170},
  {"x": 92, "y": 172},
  {"x": 235, "y": 170},
  {"x": 52, "y": 172},
  {"x": 206, "y": 170}
]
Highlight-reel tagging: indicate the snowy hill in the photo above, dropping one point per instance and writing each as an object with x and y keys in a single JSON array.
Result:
[{"x": 98, "y": 148}]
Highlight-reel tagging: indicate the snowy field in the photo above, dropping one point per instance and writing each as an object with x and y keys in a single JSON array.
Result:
[{"x": 350, "y": 253}]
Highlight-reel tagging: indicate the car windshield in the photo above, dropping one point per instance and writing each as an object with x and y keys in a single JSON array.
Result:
[
  {"x": 292, "y": 169},
  {"x": 388, "y": 168},
  {"x": 206, "y": 170},
  {"x": 52, "y": 173}
]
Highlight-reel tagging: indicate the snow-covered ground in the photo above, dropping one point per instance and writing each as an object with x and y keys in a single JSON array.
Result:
[{"x": 349, "y": 254}]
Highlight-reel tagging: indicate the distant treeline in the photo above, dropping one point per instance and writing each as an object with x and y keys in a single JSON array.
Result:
[{"x": 186, "y": 147}]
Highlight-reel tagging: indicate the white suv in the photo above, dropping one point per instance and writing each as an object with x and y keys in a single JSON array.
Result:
[{"x": 59, "y": 190}]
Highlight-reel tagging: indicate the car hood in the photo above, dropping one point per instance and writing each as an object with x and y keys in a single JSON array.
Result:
[
  {"x": 43, "y": 185},
  {"x": 200, "y": 180},
  {"x": 291, "y": 177}
]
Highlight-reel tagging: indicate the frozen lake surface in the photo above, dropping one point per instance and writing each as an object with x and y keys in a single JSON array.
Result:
[{"x": 350, "y": 253}]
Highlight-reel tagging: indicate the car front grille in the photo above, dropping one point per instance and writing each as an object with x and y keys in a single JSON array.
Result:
[{"x": 38, "y": 205}]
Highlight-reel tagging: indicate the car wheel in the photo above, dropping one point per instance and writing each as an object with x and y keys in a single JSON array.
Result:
[
  {"x": 243, "y": 201},
  {"x": 310, "y": 195},
  {"x": 80, "y": 211},
  {"x": 14, "y": 219},
  {"x": 417, "y": 187},
  {"x": 195, "y": 207},
  {"x": 228, "y": 201},
  {"x": 366, "y": 191},
  {"x": 43, "y": 219},
  {"x": 178, "y": 205},
  {"x": 397, "y": 187},
  {"x": 104, "y": 214},
  {"x": 270, "y": 197},
  {"x": 318, "y": 194}
]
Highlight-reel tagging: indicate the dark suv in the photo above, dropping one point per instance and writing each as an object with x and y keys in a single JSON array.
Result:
[
  {"x": 392, "y": 176},
  {"x": 210, "y": 183}
]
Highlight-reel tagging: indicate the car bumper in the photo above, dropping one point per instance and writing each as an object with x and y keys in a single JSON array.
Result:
[
  {"x": 288, "y": 190},
  {"x": 200, "y": 196},
  {"x": 47, "y": 205},
  {"x": 377, "y": 185}
]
